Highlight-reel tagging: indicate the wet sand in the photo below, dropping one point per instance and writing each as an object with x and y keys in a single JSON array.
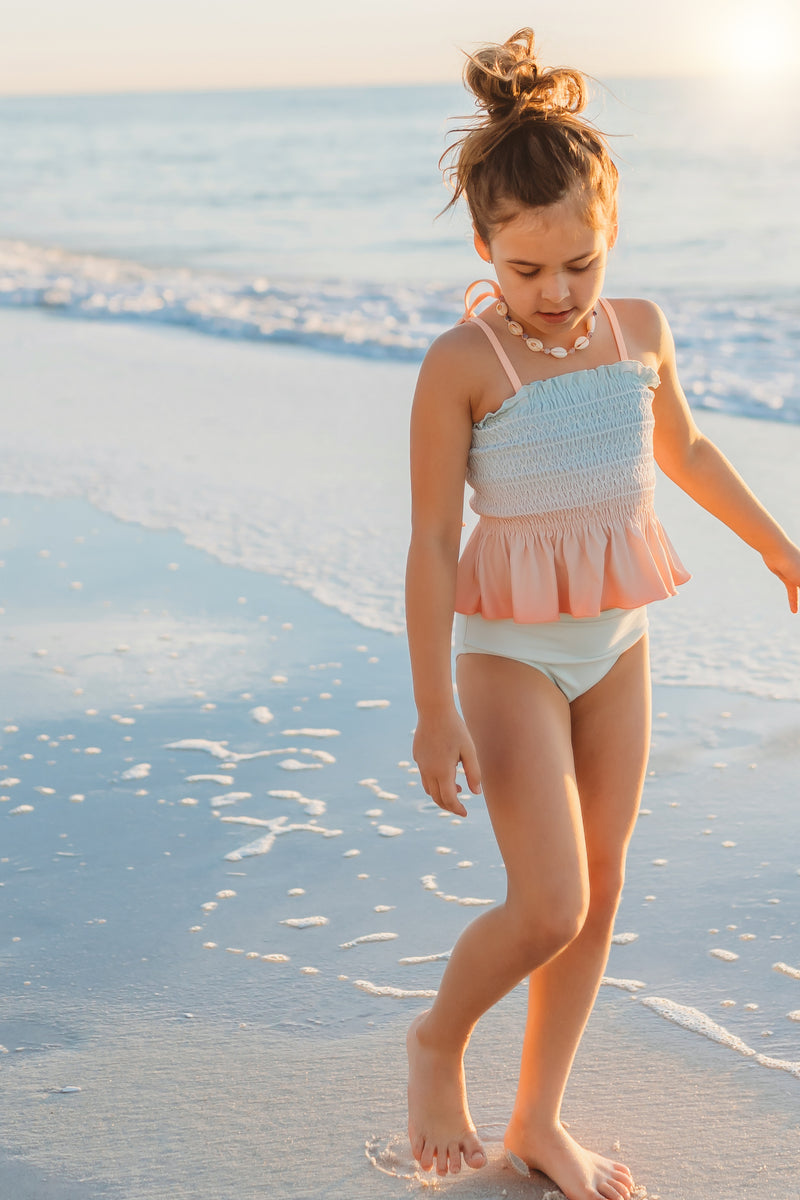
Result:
[{"x": 222, "y": 1052}]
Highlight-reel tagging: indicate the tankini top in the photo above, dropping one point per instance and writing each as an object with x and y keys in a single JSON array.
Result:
[{"x": 563, "y": 477}]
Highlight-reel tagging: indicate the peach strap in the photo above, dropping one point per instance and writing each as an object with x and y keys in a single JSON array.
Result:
[
  {"x": 470, "y": 305},
  {"x": 505, "y": 362},
  {"x": 615, "y": 329}
]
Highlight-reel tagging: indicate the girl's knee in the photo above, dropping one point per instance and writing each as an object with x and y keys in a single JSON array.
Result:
[
  {"x": 562, "y": 926},
  {"x": 545, "y": 925}
]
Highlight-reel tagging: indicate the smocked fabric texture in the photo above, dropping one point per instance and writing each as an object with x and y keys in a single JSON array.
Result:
[{"x": 563, "y": 479}]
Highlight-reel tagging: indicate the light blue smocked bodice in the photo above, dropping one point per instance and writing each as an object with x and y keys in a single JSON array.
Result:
[{"x": 580, "y": 442}]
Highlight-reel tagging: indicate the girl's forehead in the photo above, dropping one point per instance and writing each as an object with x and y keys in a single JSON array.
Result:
[{"x": 562, "y": 225}]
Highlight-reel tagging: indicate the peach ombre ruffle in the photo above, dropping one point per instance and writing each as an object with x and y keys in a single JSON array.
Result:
[{"x": 531, "y": 569}]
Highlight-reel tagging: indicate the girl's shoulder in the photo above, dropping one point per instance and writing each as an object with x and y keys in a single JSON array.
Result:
[
  {"x": 457, "y": 358},
  {"x": 644, "y": 327},
  {"x": 462, "y": 340},
  {"x": 641, "y": 315}
]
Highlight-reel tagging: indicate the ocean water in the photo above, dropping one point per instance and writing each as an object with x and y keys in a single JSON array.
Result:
[
  {"x": 309, "y": 217},
  {"x": 152, "y": 248}
]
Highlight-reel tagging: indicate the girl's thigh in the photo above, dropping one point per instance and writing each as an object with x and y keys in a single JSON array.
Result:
[
  {"x": 520, "y": 724},
  {"x": 610, "y": 744}
]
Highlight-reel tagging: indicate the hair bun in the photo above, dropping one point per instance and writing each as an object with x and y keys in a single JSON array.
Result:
[{"x": 508, "y": 82}]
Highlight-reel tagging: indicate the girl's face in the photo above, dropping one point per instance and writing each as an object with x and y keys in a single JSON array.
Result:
[{"x": 550, "y": 265}]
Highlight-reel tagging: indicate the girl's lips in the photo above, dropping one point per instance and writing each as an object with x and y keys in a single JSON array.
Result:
[{"x": 556, "y": 318}]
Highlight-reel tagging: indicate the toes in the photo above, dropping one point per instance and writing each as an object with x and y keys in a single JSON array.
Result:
[
  {"x": 475, "y": 1157},
  {"x": 454, "y": 1157},
  {"x": 611, "y": 1191},
  {"x": 425, "y": 1157},
  {"x": 448, "y": 1160},
  {"x": 623, "y": 1180}
]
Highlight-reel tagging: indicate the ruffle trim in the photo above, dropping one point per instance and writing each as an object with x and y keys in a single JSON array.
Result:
[
  {"x": 575, "y": 387},
  {"x": 509, "y": 571}
]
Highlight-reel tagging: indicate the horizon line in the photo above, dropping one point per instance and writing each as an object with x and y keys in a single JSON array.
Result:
[{"x": 332, "y": 85}]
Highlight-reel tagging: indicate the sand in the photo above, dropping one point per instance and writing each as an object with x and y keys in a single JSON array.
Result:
[
  {"x": 221, "y": 943},
  {"x": 220, "y": 1051}
]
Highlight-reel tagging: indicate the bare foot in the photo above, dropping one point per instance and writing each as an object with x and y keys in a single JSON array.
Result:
[
  {"x": 439, "y": 1125},
  {"x": 581, "y": 1174}
]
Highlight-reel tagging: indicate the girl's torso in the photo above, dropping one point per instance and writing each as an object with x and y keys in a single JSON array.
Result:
[{"x": 563, "y": 476}]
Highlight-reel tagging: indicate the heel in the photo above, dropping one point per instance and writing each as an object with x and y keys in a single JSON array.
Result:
[{"x": 518, "y": 1164}]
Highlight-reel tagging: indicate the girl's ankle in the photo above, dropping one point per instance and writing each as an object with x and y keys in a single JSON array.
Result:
[
  {"x": 534, "y": 1121},
  {"x": 432, "y": 1039}
]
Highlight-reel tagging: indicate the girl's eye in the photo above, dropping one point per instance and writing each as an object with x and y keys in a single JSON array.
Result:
[{"x": 533, "y": 274}]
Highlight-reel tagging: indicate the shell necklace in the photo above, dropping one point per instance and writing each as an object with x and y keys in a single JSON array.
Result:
[{"x": 537, "y": 346}]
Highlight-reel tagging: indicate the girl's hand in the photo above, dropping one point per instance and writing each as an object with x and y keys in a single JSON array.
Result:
[
  {"x": 440, "y": 743},
  {"x": 785, "y": 563}
]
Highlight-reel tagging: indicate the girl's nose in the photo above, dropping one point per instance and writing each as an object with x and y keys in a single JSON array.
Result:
[{"x": 555, "y": 288}]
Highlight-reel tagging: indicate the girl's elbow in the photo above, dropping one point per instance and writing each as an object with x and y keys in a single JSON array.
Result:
[
  {"x": 683, "y": 463},
  {"x": 429, "y": 543}
]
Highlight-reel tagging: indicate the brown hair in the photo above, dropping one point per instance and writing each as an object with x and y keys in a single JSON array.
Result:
[{"x": 528, "y": 148}]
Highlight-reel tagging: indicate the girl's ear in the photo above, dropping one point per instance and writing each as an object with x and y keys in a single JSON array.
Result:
[
  {"x": 612, "y": 235},
  {"x": 481, "y": 247}
]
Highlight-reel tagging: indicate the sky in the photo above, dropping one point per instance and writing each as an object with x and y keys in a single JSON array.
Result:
[{"x": 78, "y": 46}]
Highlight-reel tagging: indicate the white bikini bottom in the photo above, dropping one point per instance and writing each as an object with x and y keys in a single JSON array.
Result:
[{"x": 573, "y": 652}]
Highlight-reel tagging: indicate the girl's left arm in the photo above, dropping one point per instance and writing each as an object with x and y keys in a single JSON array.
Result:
[{"x": 697, "y": 466}]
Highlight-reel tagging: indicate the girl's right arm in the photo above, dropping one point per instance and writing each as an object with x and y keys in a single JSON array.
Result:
[{"x": 441, "y": 432}]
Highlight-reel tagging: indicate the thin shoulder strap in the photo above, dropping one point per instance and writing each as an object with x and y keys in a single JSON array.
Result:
[
  {"x": 470, "y": 304},
  {"x": 471, "y": 301},
  {"x": 505, "y": 362},
  {"x": 615, "y": 329}
]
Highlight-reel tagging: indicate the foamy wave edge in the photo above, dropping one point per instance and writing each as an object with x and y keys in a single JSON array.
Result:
[
  {"x": 698, "y": 1022},
  {"x": 372, "y": 321},
  {"x": 737, "y": 354}
]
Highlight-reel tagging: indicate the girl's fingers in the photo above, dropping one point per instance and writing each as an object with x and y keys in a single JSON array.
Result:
[
  {"x": 450, "y": 801},
  {"x": 443, "y": 790},
  {"x": 446, "y": 796},
  {"x": 791, "y": 592},
  {"x": 469, "y": 761}
]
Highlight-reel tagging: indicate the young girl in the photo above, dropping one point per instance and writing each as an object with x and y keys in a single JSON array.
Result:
[{"x": 553, "y": 404}]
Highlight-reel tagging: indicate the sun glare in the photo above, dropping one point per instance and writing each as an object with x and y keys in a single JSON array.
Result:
[{"x": 765, "y": 42}]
